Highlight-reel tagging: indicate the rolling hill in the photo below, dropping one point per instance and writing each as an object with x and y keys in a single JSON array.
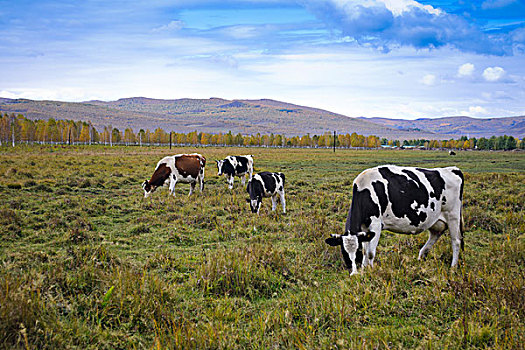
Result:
[
  {"x": 263, "y": 116},
  {"x": 459, "y": 126}
]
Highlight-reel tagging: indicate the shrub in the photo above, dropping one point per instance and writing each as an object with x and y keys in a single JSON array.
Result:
[
  {"x": 251, "y": 272},
  {"x": 481, "y": 219},
  {"x": 30, "y": 183},
  {"x": 21, "y": 310},
  {"x": 10, "y": 223},
  {"x": 43, "y": 188},
  {"x": 139, "y": 229}
]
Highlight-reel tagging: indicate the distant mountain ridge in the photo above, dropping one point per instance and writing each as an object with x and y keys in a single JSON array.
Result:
[
  {"x": 263, "y": 116},
  {"x": 460, "y": 125}
]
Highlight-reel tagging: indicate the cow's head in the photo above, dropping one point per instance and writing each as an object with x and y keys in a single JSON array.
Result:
[
  {"x": 351, "y": 248},
  {"x": 255, "y": 196},
  {"x": 255, "y": 204},
  {"x": 219, "y": 167},
  {"x": 148, "y": 189}
]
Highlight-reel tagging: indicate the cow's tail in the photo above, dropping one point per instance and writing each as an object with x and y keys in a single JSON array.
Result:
[
  {"x": 459, "y": 173},
  {"x": 462, "y": 229},
  {"x": 461, "y": 222}
]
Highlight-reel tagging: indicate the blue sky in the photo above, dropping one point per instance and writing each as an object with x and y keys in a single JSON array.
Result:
[{"x": 372, "y": 58}]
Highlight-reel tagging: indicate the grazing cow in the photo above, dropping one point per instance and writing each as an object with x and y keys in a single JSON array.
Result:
[
  {"x": 452, "y": 153},
  {"x": 266, "y": 184},
  {"x": 185, "y": 168},
  {"x": 232, "y": 166},
  {"x": 403, "y": 200}
]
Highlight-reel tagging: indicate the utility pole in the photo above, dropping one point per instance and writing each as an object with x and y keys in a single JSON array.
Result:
[
  {"x": 13, "y": 124},
  {"x": 334, "y": 141},
  {"x": 170, "y": 138}
]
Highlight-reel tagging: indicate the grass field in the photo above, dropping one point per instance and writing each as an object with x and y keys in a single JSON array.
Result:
[{"x": 87, "y": 262}]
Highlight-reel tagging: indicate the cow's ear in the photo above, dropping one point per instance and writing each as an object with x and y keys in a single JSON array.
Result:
[
  {"x": 334, "y": 241},
  {"x": 247, "y": 200}
]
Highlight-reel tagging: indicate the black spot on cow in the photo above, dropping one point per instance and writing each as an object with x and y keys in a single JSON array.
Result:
[
  {"x": 269, "y": 181},
  {"x": 362, "y": 210},
  {"x": 432, "y": 206},
  {"x": 444, "y": 200},
  {"x": 242, "y": 165},
  {"x": 380, "y": 191},
  {"x": 228, "y": 169},
  {"x": 402, "y": 193},
  {"x": 412, "y": 176},
  {"x": 436, "y": 181},
  {"x": 254, "y": 189},
  {"x": 281, "y": 175},
  {"x": 460, "y": 174},
  {"x": 280, "y": 188}
]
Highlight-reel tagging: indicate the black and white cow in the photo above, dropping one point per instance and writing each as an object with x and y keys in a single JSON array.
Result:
[
  {"x": 185, "y": 168},
  {"x": 403, "y": 200},
  {"x": 232, "y": 166},
  {"x": 266, "y": 184}
]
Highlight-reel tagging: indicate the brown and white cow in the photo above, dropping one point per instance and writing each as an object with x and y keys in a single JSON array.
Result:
[{"x": 184, "y": 168}]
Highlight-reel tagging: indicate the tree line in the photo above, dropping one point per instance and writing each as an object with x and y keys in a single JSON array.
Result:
[{"x": 19, "y": 129}]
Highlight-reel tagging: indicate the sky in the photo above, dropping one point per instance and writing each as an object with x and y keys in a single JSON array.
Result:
[{"x": 370, "y": 58}]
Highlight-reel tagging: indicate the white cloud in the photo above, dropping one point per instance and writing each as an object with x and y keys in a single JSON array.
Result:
[
  {"x": 476, "y": 111},
  {"x": 493, "y": 74},
  {"x": 59, "y": 94},
  {"x": 495, "y": 4},
  {"x": 429, "y": 80},
  {"x": 466, "y": 70},
  {"x": 386, "y": 24},
  {"x": 397, "y": 7},
  {"x": 242, "y": 31},
  {"x": 172, "y": 26}
]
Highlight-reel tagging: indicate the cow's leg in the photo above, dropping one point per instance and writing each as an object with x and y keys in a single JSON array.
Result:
[
  {"x": 201, "y": 180},
  {"x": 274, "y": 202},
  {"x": 435, "y": 232},
  {"x": 283, "y": 201},
  {"x": 192, "y": 187},
  {"x": 366, "y": 261},
  {"x": 375, "y": 231},
  {"x": 455, "y": 237},
  {"x": 172, "y": 186},
  {"x": 230, "y": 182}
]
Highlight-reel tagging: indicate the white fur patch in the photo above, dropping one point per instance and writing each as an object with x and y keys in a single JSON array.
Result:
[{"x": 351, "y": 244}]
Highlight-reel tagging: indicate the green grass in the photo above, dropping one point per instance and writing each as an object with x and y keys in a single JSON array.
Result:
[{"x": 87, "y": 262}]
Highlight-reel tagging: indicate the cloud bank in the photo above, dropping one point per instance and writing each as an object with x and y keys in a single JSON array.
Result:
[{"x": 390, "y": 23}]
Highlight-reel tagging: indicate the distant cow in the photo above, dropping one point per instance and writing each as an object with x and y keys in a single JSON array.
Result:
[
  {"x": 185, "y": 168},
  {"x": 266, "y": 184},
  {"x": 452, "y": 153},
  {"x": 232, "y": 166},
  {"x": 403, "y": 200}
]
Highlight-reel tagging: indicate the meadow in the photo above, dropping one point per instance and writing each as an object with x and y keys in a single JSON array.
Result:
[{"x": 86, "y": 262}]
